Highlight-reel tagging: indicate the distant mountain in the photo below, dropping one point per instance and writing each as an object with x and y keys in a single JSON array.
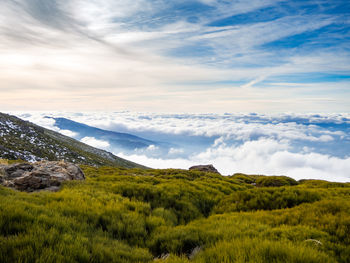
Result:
[
  {"x": 117, "y": 140},
  {"x": 20, "y": 139}
]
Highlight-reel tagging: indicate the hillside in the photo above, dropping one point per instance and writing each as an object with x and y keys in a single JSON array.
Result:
[
  {"x": 24, "y": 140},
  {"x": 136, "y": 215}
]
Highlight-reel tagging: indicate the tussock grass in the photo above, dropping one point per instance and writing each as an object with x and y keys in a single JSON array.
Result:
[{"x": 134, "y": 215}]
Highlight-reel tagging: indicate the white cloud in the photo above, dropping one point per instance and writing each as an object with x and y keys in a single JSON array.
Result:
[
  {"x": 233, "y": 126},
  {"x": 68, "y": 133},
  {"x": 152, "y": 148},
  {"x": 96, "y": 143},
  {"x": 326, "y": 138},
  {"x": 108, "y": 55},
  {"x": 248, "y": 143},
  {"x": 158, "y": 163},
  {"x": 175, "y": 151},
  {"x": 266, "y": 157},
  {"x": 238, "y": 126}
]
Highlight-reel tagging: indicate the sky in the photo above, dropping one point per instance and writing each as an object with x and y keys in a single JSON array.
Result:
[
  {"x": 214, "y": 56},
  {"x": 302, "y": 146}
]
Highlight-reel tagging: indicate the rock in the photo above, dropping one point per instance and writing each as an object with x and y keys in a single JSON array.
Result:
[
  {"x": 32, "y": 182},
  {"x": 2, "y": 174},
  {"x": 162, "y": 257},
  {"x": 17, "y": 170},
  {"x": 2, "y": 170},
  {"x": 61, "y": 170},
  {"x": 43, "y": 175},
  {"x": 314, "y": 241},
  {"x": 194, "y": 252},
  {"x": 205, "y": 168}
]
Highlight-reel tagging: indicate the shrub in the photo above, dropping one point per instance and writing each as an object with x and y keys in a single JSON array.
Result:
[
  {"x": 268, "y": 181},
  {"x": 244, "y": 178},
  {"x": 265, "y": 199},
  {"x": 179, "y": 240},
  {"x": 134, "y": 215},
  {"x": 259, "y": 250}
]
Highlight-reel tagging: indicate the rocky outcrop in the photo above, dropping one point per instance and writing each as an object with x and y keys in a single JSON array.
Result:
[
  {"x": 205, "y": 168},
  {"x": 37, "y": 176}
]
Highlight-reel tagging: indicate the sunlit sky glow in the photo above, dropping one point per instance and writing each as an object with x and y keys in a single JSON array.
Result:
[{"x": 183, "y": 56}]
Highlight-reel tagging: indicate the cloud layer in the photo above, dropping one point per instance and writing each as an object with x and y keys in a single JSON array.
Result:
[
  {"x": 298, "y": 145},
  {"x": 263, "y": 156}
]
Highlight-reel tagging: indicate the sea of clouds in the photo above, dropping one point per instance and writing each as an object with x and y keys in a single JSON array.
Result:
[{"x": 302, "y": 146}]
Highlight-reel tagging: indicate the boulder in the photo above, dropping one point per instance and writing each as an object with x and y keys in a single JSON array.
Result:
[
  {"x": 17, "y": 170},
  {"x": 42, "y": 175},
  {"x": 205, "y": 168}
]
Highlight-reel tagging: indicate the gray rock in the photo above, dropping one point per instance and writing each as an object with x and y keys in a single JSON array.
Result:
[
  {"x": 17, "y": 170},
  {"x": 162, "y": 257},
  {"x": 194, "y": 252},
  {"x": 205, "y": 168},
  {"x": 42, "y": 175},
  {"x": 2, "y": 170}
]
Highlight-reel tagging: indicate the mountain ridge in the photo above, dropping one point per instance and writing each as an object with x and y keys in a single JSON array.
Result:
[
  {"x": 116, "y": 139},
  {"x": 17, "y": 138}
]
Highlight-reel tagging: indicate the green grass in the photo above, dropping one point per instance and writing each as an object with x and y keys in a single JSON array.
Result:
[{"x": 135, "y": 215}]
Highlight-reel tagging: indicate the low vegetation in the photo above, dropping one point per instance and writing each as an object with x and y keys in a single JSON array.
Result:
[{"x": 136, "y": 215}]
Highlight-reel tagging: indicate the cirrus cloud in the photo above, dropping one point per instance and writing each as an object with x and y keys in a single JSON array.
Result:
[{"x": 203, "y": 56}]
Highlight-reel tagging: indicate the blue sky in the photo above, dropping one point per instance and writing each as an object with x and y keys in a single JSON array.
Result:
[{"x": 175, "y": 56}]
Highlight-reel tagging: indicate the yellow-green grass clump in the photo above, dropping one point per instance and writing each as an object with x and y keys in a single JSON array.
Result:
[{"x": 136, "y": 215}]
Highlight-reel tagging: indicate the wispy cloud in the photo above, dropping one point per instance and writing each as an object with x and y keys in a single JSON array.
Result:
[{"x": 147, "y": 55}]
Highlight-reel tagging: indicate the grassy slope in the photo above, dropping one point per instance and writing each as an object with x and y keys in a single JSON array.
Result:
[
  {"x": 133, "y": 215},
  {"x": 29, "y": 139}
]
